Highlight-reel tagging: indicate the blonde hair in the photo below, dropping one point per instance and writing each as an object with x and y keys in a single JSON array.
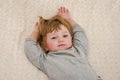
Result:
[{"x": 53, "y": 24}]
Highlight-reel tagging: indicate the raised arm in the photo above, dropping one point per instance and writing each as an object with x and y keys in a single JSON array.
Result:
[
  {"x": 79, "y": 39},
  {"x": 34, "y": 52}
]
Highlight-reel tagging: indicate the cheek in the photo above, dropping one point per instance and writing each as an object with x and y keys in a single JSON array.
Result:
[
  {"x": 69, "y": 41},
  {"x": 51, "y": 44}
]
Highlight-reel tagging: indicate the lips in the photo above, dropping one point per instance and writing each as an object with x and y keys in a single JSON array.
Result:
[{"x": 61, "y": 45}]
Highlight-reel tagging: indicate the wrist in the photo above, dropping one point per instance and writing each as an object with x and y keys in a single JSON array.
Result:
[
  {"x": 72, "y": 22},
  {"x": 34, "y": 35}
]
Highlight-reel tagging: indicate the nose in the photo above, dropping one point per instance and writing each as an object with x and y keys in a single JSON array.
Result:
[{"x": 61, "y": 40}]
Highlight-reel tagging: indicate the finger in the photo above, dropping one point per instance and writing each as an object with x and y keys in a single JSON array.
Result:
[
  {"x": 65, "y": 10},
  {"x": 36, "y": 24},
  {"x": 61, "y": 9}
]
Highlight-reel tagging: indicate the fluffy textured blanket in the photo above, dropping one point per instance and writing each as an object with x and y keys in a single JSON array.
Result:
[{"x": 99, "y": 18}]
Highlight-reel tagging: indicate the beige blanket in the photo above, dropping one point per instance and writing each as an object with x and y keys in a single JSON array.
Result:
[{"x": 99, "y": 18}]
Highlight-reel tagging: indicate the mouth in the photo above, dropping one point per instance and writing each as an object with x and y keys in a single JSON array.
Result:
[{"x": 61, "y": 45}]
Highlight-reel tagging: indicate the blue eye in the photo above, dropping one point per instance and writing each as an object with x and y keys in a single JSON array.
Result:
[{"x": 65, "y": 35}]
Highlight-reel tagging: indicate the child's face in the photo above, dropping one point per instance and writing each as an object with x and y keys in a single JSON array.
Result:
[{"x": 58, "y": 40}]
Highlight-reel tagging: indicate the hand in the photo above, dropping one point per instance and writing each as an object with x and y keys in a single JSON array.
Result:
[
  {"x": 36, "y": 29},
  {"x": 34, "y": 35},
  {"x": 64, "y": 12}
]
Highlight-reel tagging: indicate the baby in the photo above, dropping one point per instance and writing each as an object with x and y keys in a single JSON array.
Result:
[{"x": 58, "y": 47}]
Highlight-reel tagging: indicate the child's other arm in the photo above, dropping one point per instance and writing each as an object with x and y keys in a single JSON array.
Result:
[
  {"x": 80, "y": 40},
  {"x": 34, "y": 52}
]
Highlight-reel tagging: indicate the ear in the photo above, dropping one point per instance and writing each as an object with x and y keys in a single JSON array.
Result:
[{"x": 44, "y": 46}]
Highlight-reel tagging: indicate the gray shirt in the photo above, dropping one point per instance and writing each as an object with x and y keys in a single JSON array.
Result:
[{"x": 70, "y": 64}]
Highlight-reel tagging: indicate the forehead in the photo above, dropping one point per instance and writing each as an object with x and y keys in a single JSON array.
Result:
[{"x": 62, "y": 29}]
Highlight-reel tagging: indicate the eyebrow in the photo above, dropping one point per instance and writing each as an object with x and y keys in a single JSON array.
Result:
[
  {"x": 52, "y": 34},
  {"x": 65, "y": 32}
]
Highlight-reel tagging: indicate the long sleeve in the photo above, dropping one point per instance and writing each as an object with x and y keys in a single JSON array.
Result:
[
  {"x": 34, "y": 53},
  {"x": 80, "y": 40}
]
